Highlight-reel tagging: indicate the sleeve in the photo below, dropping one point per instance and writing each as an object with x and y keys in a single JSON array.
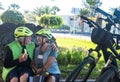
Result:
[
  {"x": 53, "y": 53},
  {"x": 9, "y": 62}
]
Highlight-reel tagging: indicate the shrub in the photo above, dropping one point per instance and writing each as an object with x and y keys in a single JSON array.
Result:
[
  {"x": 12, "y": 16},
  {"x": 52, "y": 21},
  {"x": 76, "y": 56}
]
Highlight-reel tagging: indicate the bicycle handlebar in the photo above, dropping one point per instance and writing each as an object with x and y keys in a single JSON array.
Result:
[{"x": 90, "y": 22}]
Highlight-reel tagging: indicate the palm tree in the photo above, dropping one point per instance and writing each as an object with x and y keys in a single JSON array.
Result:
[
  {"x": 55, "y": 9},
  {"x": 91, "y": 4},
  {"x": 47, "y": 10},
  {"x": 14, "y": 6},
  {"x": 84, "y": 11},
  {"x": 38, "y": 11}
]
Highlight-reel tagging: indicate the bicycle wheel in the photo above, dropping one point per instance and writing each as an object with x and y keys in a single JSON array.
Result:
[
  {"x": 75, "y": 72},
  {"x": 107, "y": 76}
]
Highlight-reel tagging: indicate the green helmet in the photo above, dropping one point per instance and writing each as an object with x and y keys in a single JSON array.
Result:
[
  {"x": 22, "y": 31},
  {"x": 45, "y": 32}
]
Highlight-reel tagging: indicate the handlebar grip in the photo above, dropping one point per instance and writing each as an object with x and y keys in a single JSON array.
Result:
[
  {"x": 90, "y": 22},
  {"x": 85, "y": 18}
]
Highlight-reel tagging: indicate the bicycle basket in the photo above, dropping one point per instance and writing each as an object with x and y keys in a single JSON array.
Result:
[{"x": 101, "y": 37}]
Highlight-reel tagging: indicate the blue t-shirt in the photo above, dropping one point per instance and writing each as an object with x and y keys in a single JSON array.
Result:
[{"x": 54, "y": 68}]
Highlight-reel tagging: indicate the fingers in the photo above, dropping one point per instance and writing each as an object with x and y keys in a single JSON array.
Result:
[
  {"x": 23, "y": 57},
  {"x": 53, "y": 46}
]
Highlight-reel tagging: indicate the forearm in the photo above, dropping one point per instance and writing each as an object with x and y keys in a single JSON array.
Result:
[
  {"x": 9, "y": 62},
  {"x": 33, "y": 65},
  {"x": 49, "y": 62}
]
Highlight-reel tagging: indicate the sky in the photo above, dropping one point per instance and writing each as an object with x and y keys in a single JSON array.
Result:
[{"x": 64, "y": 5}]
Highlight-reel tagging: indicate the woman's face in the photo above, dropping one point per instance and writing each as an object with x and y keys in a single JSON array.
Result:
[{"x": 41, "y": 39}]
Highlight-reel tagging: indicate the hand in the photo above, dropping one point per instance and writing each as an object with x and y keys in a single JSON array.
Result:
[
  {"x": 53, "y": 46},
  {"x": 23, "y": 57},
  {"x": 39, "y": 71}
]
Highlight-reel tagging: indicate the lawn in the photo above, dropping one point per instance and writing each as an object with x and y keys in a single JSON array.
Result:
[{"x": 70, "y": 42}]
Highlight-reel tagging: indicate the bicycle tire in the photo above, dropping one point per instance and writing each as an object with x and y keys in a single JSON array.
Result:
[
  {"x": 76, "y": 71},
  {"x": 106, "y": 76}
]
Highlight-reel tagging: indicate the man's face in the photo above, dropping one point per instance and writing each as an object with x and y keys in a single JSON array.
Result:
[
  {"x": 27, "y": 39},
  {"x": 24, "y": 40}
]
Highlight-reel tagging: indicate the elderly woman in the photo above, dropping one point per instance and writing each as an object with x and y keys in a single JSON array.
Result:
[{"x": 45, "y": 57}]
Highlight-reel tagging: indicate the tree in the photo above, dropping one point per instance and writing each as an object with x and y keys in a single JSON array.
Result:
[
  {"x": 55, "y": 9},
  {"x": 45, "y": 10},
  {"x": 38, "y": 11},
  {"x": 12, "y": 16},
  {"x": 91, "y": 4},
  {"x": 14, "y": 6},
  {"x": 51, "y": 21},
  {"x": 84, "y": 11}
]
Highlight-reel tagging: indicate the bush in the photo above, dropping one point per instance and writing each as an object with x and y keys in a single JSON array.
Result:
[
  {"x": 62, "y": 57},
  {"x": 52, "y": 21},
  {"x": 12, "y": 16},
  {"x": 73, "y": 57}
]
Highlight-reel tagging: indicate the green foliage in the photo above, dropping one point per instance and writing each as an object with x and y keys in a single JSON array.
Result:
[
  {"x": 62, "y": 57},
  {"x": 14, "y": 6},
  {"x": 67, "y": 56},
  {"x": 76, "y": 56},
  {"x": 70, "y": 55},
  {"x": 12, "y": 16},
  {"x": 84, "y": 11},
  {"x": 53, "y": 21},
  {"x": 65, "y": 27},
  {"x": 46, "y": 10}
]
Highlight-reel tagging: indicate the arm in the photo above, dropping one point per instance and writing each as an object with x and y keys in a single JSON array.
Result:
[
  {"x": 51, "y": 59},
  {"x": 34, "y": 66},
  {"x": 49, "y": 62},
  {"x": 9, "y": 62}
]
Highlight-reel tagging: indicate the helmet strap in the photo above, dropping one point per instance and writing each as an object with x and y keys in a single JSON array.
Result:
[{"x": 24, "y": 40}]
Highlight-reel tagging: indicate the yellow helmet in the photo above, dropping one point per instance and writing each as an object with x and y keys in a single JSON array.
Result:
[
  {"x": 22, "y": 31},
  {"x": 45, "y": 32}
]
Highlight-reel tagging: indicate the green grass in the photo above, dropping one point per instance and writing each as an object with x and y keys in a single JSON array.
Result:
[{"x": 74, "y": 42}]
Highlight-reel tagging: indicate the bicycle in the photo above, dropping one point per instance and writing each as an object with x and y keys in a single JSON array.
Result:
[{"x": 102, "y": 44}]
